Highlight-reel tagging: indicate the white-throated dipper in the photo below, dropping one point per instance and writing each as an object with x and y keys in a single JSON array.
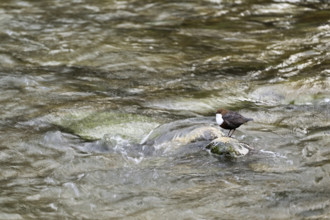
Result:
[{"x": 230, "y": 120}]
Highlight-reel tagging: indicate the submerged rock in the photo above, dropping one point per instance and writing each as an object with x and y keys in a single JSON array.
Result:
[
  {"x": 95, "y": 125},
  {"x": 183, "y": 131},
  {"x": 228, "y": 147}
]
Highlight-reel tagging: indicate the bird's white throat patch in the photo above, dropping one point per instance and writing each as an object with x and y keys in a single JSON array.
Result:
[{"x": 218, "y": 118}]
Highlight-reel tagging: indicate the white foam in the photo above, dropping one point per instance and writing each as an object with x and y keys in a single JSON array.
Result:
[
  {"x": 273, "y": 154},
  {"x": 73, "y": 187}
]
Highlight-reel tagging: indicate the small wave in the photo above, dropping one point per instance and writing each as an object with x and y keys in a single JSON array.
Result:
[{"x": 273, "y": 154}]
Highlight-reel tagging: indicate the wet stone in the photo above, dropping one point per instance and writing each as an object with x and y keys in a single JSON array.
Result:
[{"x": 228, "y": 147}]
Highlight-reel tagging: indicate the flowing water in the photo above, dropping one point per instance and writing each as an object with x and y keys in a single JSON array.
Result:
[{"x": 94, "y": 93}]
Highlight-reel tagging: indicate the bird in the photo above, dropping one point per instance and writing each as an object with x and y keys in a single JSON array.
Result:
[{"x": 230, "y": 120}]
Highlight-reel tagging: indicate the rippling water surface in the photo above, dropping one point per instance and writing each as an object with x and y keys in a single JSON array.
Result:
[{"x": 95, "y": 96}]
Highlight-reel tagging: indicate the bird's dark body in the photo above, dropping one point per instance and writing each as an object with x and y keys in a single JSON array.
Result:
[{"x": 232, "y": 120}]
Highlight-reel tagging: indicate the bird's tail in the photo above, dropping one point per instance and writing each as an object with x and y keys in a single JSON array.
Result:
[{"x": 249, "y": 119}]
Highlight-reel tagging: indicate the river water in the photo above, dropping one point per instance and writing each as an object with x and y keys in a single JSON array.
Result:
[{"x": 93, "y": 92}]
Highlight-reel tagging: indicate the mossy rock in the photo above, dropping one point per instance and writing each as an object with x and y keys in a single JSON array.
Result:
[{"x": 228, "y": 147}]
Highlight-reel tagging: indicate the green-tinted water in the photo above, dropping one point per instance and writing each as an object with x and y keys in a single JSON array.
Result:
[{"x": 86, "y": 84}]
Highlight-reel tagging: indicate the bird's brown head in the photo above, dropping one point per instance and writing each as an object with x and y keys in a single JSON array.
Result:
[{"x": 221, "y": 111}]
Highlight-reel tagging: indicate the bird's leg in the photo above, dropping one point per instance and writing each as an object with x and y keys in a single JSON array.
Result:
[{"x": 231, "y": 132}]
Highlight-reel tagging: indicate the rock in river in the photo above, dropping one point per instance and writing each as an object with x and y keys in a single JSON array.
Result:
[
  {"x": 200, "y": 131},
  {"x": 228, "y": 147}
]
